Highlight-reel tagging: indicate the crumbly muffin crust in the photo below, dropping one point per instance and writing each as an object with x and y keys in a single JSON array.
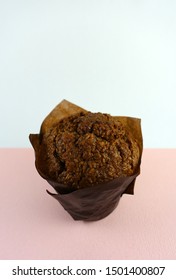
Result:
[{"x": 87, "y": 149}]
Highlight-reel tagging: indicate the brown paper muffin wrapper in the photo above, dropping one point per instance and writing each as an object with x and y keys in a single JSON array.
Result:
[{"x": 95, "y": 202}]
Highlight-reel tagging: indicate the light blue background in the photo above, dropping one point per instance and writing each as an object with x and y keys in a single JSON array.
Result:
[{"x": 111, "y": 56}]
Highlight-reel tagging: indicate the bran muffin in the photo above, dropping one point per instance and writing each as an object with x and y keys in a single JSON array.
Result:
[
  {"x": 87, "y": 149},
  {"x": 90, "y": 159}
]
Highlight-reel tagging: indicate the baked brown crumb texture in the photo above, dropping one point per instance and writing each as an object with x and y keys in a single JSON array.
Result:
[{"x": 87, "y": 149}]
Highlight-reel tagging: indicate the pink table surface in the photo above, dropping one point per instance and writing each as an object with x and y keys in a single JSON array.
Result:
[{"x": 34, "y": 226}]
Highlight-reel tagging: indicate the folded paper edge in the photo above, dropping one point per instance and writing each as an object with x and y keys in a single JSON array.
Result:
[{"x": 62, "y": 110}]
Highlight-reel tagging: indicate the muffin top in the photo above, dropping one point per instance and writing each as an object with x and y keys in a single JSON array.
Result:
[{"x": 87, "y": 149}]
